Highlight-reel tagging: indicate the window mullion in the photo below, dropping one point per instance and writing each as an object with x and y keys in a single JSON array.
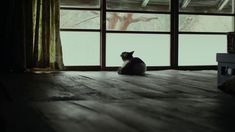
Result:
[
  {"x": 174, "y": 33},
  {"x": 103, "y": 34}
]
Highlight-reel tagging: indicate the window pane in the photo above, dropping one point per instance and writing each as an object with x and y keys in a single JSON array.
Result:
[
  {"x": 153, "y": 49},
  {"x": 80, "y": 3},
  {"x": 137, "y": 22},
  {"x": 207, "y": 6},
  {"x": 202, "y": 23},
  {"x": 201, "y": 49},
  {"x": 143, "y": 5},
  {"x": 78, "y": 19},
  {"x": 81, "y": 48}
]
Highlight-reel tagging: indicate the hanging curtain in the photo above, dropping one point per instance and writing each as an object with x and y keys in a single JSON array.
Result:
[{"x": 46, "y": 50}]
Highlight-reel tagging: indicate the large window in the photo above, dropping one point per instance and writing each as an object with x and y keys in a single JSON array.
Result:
[{"x": 164, "y": 33}]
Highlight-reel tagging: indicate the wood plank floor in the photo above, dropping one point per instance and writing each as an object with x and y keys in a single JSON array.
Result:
[{"x": 161, "y": 101}]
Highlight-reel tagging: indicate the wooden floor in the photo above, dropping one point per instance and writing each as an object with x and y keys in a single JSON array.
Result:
[{"x": 161, "y": 101}]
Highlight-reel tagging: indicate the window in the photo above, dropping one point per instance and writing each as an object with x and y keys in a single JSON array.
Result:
[
  {"x": 203, "y": 25},
  {"x": 147, "y": 31},
  {"x": 164, "y": 33}
]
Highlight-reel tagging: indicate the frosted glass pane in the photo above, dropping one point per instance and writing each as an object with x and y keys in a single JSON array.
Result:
[
  {"x": 80, "y": 3},
  {"x": 207, "y": 6},
  {"x": 81, "y": 48},
  {"x": 78, "y": 19},
  {"x": 138, "y": 22},
  {"x": 153, "y": 49},
  {"x": 142, "y": 5},
  {"x": 201, "y": 49},
  {"x": 200, "y": 23}
]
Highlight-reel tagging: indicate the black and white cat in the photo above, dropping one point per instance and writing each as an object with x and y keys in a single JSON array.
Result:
[{"x": 131, "y": 65}]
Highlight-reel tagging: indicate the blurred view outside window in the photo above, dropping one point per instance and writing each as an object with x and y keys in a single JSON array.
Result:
[{"x": 131, "y": 22}]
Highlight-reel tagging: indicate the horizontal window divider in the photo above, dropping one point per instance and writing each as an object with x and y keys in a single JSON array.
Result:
[
  {"x": 82, "y": 68},
  {"x": 148, "y": 12},
  {"x": 152, "y": 68},
  {"x": 205, "y": 67},
  {"x": 131, "y": 11},
  {"x": 81, "y": 30},
  {"x": 138, "y": 32},
  {"x": 215, "y": 33},
  {"x": 149, "y": 68},
  {"x": 77, "y": 8},
  {"x": 206, "y": 14},
  {"x": 110, "y": 68}
]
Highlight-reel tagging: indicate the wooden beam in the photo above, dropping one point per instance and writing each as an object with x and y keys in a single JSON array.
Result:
[
  {"x": 174, "y": 39},
  {"x": 144, "y": 3},
  {"x": 222, "y": 4},
  {"x": 185, "y": 3}
]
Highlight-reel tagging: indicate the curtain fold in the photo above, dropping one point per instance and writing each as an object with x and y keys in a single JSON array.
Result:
[
  {"x": 46, "y": 50},
  {"x": 30, "y": 35}
]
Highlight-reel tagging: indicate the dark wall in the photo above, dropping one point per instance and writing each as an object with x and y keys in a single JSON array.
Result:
[
  {"x": 5, "y": 32},
  {"x": 15, "y": 25}
]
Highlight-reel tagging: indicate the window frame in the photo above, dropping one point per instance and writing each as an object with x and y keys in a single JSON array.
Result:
[
  {"x": 201, "y": 33},
  {"x": 174, "y": 36}
]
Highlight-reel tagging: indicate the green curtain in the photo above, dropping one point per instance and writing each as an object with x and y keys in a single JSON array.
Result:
[{"x": 46, "y": 50}]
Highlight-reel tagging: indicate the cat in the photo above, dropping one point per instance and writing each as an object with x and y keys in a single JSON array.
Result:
[
  {"x": 228, "y": 86},
  {"x": 131, "y": 65}
]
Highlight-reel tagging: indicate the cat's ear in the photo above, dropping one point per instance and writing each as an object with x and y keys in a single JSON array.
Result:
[{"x": 132, "y": 52}]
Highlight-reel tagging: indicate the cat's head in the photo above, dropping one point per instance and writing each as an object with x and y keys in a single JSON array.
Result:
[{"x": 127, "y": 55}]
